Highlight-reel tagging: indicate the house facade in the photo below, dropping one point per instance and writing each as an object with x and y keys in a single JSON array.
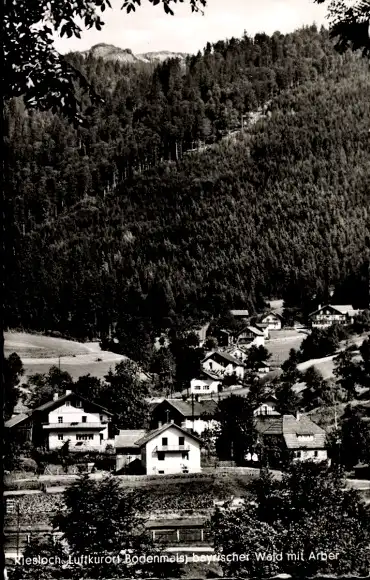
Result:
[
  {"x": 250, "y": 336},
  {"x": 205, "y": 384},
  {"x": 195, "y": 416},
  {"x": 221, "y": 363},
  {"x": 72, "y": 418},
  {"x": 271, "y": 321},
  {"x": 267, "y": 407},
  {"x": 330, "y": 314},
  {"x": 167, "y": 450},
  {"x": 296, "y": 438}
]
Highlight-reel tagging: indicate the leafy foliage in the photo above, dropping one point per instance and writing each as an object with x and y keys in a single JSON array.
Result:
[{"x": 309, "y": 511}]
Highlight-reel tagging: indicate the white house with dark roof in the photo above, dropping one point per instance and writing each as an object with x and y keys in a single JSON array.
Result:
[
  {"x": 330, "y": 314},
  {"x": 250, "y": 336},
  {"x": 205, "y": 384},
  {"x": 267, "y": 407},
  {"x": 221, "y": 363},
  {"x": 167, "y": 450},
  {"x": 271, "y": 321},
  {"x": 70, "y": 417}
]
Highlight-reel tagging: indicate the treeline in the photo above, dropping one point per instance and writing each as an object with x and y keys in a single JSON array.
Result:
[{"x": 282, "y": 211}]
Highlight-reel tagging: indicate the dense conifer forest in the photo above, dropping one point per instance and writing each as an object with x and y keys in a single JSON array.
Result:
[{"x": 116, "y": 224}]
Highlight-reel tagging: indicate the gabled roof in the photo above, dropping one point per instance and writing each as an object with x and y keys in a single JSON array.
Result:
[
  {"x": 209, "y": 375},
  {"x": 290, "y": 428},
  {"x": 50, "y": 405},
  {"x": 128, "y": 437},
  {"x": 151, "y": 434},
  {"x": 271, "y": 313},
  {"x": 251, "y": 329},
  {"x": 207, "y": 406},
  {"x": 225, "y": 355},
  {"x": 16, "y": 420},
  {"x": 338, "y": 308}
]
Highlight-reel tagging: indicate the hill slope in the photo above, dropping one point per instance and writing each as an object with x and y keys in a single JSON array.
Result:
[{"x": 283, "y": 210}]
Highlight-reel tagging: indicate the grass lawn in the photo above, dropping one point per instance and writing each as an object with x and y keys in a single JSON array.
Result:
[
  {"x": 280, "y": 343},
  {"x": 39, "y": 353}
]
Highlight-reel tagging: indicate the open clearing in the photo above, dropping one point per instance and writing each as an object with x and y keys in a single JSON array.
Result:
[
  {"x": 280, "y": 343},
  {"x": 39, "y": 353}
]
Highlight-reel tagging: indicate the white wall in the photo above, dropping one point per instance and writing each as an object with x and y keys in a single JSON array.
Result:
[
  {"x": 55, "y": 443},
  {"x": 174, "y": 461},
  {"x": 226, "y": 369},
  {"x": 198, "y": 386},
  {"x": 273, "y": 323},
  {"x": 265, "y": 409},
  {"x": 309, "y": 454},
  {"x": 73, "y": 414}
]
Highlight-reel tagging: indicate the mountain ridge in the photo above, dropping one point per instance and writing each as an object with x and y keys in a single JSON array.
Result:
[{"x": 115, "y": 53}]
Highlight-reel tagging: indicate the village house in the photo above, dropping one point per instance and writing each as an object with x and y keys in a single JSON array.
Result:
[
  {"x": 193, "y": 415},
  {"x": 205, "y": 384},
  {"x": 250, "y": 336},
  {"x": 267, "y": 407},
  {"x": 297, "y": 436},
  {"x": 330, "y": 314},
  {"x": 69, "y": 417},
  {"x": 271, "y": 321},
  {"x": 221, "y": 363},
  {"x": 167, "y": 450}
]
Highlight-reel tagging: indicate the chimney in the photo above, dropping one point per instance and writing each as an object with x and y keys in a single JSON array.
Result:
[
  {"x": 297, "y": 415},
  {"x": 159, "y": 424},
  {"x": 55, "y": 397},
  {"x": 172, "y": 420},
  {"x": 319, "y": 306},
  {"x": 68, "y": 392}
]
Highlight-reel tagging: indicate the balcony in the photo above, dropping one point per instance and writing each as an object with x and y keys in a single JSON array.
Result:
[
  {"x": 167, "y": 448},
  {"x": 75, "y": 425}
]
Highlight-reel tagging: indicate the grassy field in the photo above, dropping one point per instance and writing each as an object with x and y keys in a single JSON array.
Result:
[
  {"x": 280, "y": 343},
  {"x": 39, "y": 353}
]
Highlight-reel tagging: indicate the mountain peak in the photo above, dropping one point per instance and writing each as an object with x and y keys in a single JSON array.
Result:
[{"x": 115, "y": 53}]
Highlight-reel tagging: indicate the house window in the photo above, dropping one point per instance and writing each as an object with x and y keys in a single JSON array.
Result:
[
  {"x": 211, "y": 365},
  {"x": 60, "y": 419},
  {"x": 185, "y": 455},
  {"x": 68, "y": 403},
  {"x": 78, "y": 403},
  {"x": 164, "y": 441},
  {"x": 316, "y": 454},
  {"x": 101, "y": 418},
  {"x": 161, "y": 472},
  {"x": 60, "y": 437},
  {"x": 297, "y": 454},
  {"x": 84, "y": 418},
  {"x": 181, "y": 441},
  {"x": 161, "y": 456},
  {"x": 84, "y": 437}
]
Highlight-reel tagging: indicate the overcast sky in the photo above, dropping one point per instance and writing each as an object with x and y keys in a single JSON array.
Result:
[{"x": 150, "y": 29}]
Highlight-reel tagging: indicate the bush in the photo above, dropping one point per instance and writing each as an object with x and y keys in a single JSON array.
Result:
[
  {"x": 22, "y": 485},
  {"x": 27, "y": 464}
]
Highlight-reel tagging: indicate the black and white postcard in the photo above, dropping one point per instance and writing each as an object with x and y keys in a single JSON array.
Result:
[{"x": 186, "y": 292}]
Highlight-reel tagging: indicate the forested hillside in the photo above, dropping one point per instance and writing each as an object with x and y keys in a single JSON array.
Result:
[{"x": 114, "y": 225}]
